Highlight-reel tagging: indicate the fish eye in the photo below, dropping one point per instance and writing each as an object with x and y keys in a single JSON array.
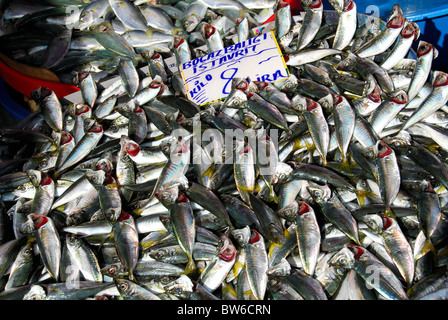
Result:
[
  {"x": 278, "y": 273},
  {"x": 165, "y": 280},
  {"x": 124, "y": 286},
  {"x": 136, "y": 206},
  {"x": 318, "y": 193},
  {"x": 178, "y": 290},
  {"x": 112, "y": 270}
]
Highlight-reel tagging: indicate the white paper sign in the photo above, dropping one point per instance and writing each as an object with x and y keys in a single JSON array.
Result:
[{"x": 209, "y": 77}]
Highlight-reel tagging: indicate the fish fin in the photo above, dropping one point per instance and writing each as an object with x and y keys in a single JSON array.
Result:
[
  {"x": 111, "y": 236},
  {"x": 436, "y": 53},
  {"x": 441, "y": 189},
  {"x": 237, "y": 268},
  {"x": 310, "y": 147},
  {"x": 272, "y": 248},
  {"x": 362, "y": 194},
  {"x": 432, "y": 147},
  {"x": 191, "y": 267},
  {"x": 209, "y": 172}
]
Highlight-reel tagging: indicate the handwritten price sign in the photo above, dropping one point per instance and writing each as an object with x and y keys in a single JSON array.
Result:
[{"x": 209, "y": 77}]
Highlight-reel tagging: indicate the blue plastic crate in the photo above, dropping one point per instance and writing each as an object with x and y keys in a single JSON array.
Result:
[
  {"x": 430, "y": 15},
  {"x": 10, "y": 104}
]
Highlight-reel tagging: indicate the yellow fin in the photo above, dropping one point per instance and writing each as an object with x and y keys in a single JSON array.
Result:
[
  {"x": 209, "y": 172},
  {"x": 362, "y": 194},
  {"x": 190, "y": 268},
  {"x": 428, "y": 246}
]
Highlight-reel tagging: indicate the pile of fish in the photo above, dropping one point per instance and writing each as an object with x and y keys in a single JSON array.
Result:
[{"x": 119, "y": 196}]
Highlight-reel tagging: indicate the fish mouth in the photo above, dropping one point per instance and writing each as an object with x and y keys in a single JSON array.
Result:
[
  {"x": 424, "y": 49},
  {"x": 209, "y": 30},
  {"x": 356, "y": 250},
  {"x": 316, "y": 4}
]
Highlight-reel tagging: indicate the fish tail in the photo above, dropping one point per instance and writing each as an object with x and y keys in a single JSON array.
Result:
[
  {"x": 227, "y": 289},
  {"x": 429, "y": 246},
  {"x": 191, "y": 267},
  {"x": 345, "y": 166},
  {"x": 249, "y": 295},
  {"x": 209, "y": 172},
  {"x": 355, "y": 238},
  {"x": 274, "y": 196},
  {"x": 389, "y": 213},
  {"x": 362, "y": 195},
  {"x": 177, "y": 31},
  {"x": 244, "y": 193}
]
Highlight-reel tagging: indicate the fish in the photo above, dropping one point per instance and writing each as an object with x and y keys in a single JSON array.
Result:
[
  {"x": 426, "y": 53},
  {"x": 193, "y": 14},
  {"x": 318, "y": 127},
  {"x": 126, "y": 241},
  {"x": 256, "y": 265},
  {"x": 308, "y": 236},
  {"x": 347, "y": 25},
  {"x": 48, "y": 242},
  {"x": 218, "y": 269},
  {"x": 395, "y": 243},
  {"x": 311, "y": 24},
  {"x": 409, "y": 34},
  {"x": 385, "y": 282},
  {"x": 433, "y": 102},
  {"x": 184, "y": 228},
  {"x": 385, "y": 38}
]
